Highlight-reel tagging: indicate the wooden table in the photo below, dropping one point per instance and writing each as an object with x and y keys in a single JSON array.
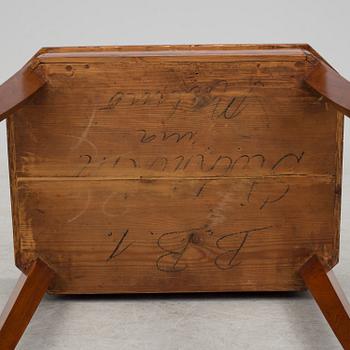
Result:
[{"x": 203, "y": 168}]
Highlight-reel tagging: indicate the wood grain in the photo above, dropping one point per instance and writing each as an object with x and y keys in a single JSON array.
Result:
[
  {"x": 173, "y": 169},
  {"x": 331, "y": 85},
  {"x": 243, "y": 234},
  {"x": 23, "y": 303},
  {"x": 16, "y": 91},
  {"x": 330, "y": 298}
]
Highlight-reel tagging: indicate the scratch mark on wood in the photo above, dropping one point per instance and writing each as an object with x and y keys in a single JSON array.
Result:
[
  {"x": 104, "y": 205},
  {"x": 83, "y": 136},
  {"x": 87, "y": 141},
  {"x": 87, "y": 204}
]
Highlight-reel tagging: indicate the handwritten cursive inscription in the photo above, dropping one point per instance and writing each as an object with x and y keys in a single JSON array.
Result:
[
  {"x": 174, "y": 245},
  {"x": 185, "y": 98},
  {"x": 177, "y": 137},
  {"x": 227, "y": 260},
  {"x": 200, "y": 162}
]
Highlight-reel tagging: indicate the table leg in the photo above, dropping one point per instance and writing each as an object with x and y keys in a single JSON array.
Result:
[
  {"x": 23, "y": 303},
  {"x": 330, "y": 298}
]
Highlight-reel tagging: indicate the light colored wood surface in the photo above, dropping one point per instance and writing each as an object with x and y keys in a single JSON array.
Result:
[{"x": 176, "y": 171}]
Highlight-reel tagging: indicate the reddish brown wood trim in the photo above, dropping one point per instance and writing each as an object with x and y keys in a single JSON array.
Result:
[
  {"x": 331, "y": 85},
  {"x": 23, "y": 303},
  {"x": 330, "y": 298},
  {"x": 18, "y": 89}
]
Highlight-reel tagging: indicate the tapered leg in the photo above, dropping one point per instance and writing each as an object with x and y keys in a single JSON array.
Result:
[
  {"x": 330, "y": 298},
  {"x": 23, "y": 303}
]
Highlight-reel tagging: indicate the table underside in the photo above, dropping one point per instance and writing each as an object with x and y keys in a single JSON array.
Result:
[{"x": 175, "y": 172}]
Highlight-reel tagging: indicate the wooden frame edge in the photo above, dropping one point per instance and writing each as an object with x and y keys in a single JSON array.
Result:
[{"x": 329, "y": 296}]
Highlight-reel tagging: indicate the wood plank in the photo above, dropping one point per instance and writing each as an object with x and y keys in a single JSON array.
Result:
[
  {"x": 159, "y": 170},
  {"x": 177, "y": 234},
  {"x": 149, "y": 120}
]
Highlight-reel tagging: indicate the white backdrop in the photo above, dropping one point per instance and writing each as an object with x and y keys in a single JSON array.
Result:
[{"x": 264, "y": 322}]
